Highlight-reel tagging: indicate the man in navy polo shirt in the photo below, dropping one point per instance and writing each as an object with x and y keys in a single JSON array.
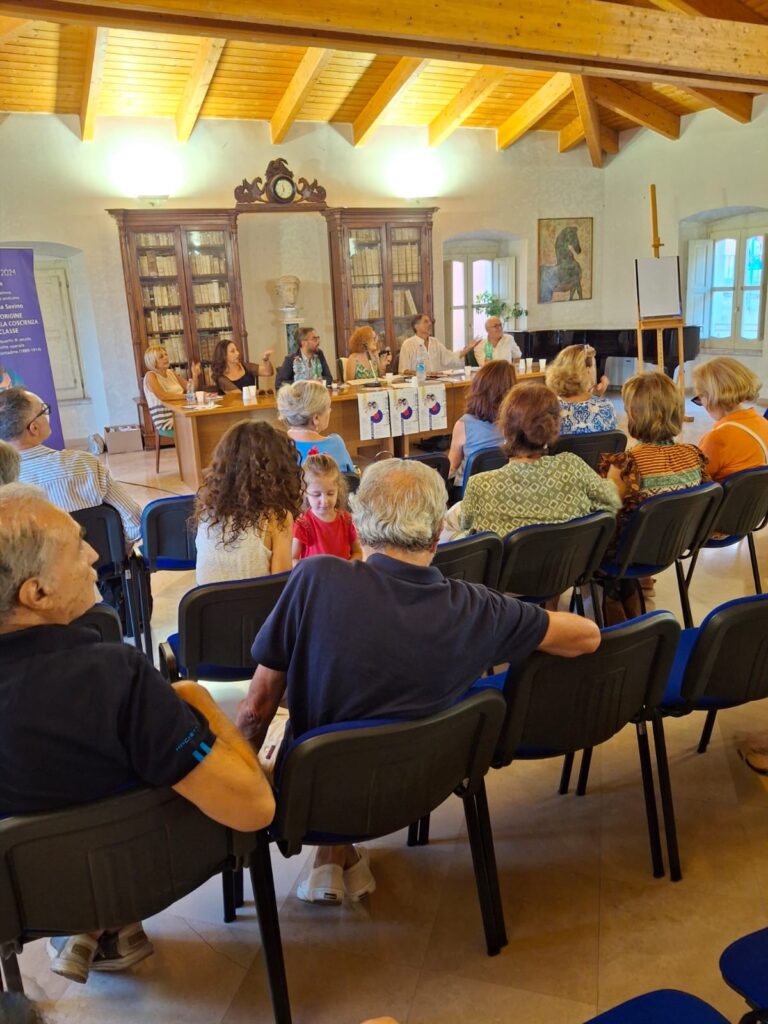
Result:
[
  {"x": 81, "y": 720},
  {"x": 388, "y": 637}
]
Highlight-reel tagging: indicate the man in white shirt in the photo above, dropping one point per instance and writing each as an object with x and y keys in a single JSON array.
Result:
[
  {"x": 438, "y": 356},
  {"x": 497, "y": 345}
]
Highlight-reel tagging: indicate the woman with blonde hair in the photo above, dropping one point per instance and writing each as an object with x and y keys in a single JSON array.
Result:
[
  {"x": 305, "y": 408},
  {"x": 246, "y": 507},
  {"x": 583, "y": 409},
  {"x": 739, "y": 440},
  {"x": 365, "y": 361},
  {"x": 161, "y": 382}
]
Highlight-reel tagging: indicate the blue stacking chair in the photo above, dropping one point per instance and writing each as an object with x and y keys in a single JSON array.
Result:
[
  {"x": 104, "y": 620},
  {"x": 665, "y": 1006},
  {"x": 590, "y": 447},
  {"x": 744, "y": 966},
  {"x": 475, "y": 559},
  {"x": 483, "y": 461}
]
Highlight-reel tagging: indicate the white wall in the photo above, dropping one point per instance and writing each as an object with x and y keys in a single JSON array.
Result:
[{"x": 56, "y": 189}]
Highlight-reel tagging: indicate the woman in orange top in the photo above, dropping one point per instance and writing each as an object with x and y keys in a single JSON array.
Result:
[{"x": 740, "y": 438}]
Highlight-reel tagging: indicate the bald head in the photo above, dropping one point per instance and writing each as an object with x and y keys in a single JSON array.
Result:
[
  {"x": 46, "y": 568},
  {"x": 400, "y": 504},
  {"x": 494, "y": 328}
]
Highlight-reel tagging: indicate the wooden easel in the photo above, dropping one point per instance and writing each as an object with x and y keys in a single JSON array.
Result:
[{"x": 659, "y": 323}]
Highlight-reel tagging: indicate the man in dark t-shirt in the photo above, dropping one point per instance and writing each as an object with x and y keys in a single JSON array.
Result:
[
  {"x": 389, "y": 637},
  {"x": 81, "y": 720}
]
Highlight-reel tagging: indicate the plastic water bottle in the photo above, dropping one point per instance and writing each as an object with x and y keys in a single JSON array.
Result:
[
  {"x": 421, "y": 364},
  {"x": 190, "y": 392}
]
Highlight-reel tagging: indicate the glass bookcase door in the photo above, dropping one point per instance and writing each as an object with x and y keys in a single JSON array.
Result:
[
  {"x": 158, "y": 265},
  {"x": 407, "y": 282},
  {"x": 210, "y": 297},
  {"x": 366, "y": 272}
]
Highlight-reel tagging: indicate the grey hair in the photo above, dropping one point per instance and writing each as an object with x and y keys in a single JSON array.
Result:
[
  {"x": 297, "y": 403},
  {"x": 15, "y": 409},
  {"x": 10, "y": 463},
  {"x": 25, "y": 545},
  {"x": 401, "y": 504}
]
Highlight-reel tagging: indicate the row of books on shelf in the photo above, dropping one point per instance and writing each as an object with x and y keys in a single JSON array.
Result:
[
  {"x": 402, "y": 303},
  {"x": 217, "y": 316},
  {"x": 210, "y": 291},
  {"x": 154, "y": 264},
  {"x": 366, "y": 264},
  {"x": 208, "y": 344},
  {"x": 155, "y": 238},
  {"x": 366, "y": 303},
  {"x": 205, "y": 237},
  {"x": 174, "y": 346},
  {"x": 207, "y": 263},
  {"x": 163, "y": 320},
  {"x": 160, "y": 295},
  {"x": 406, "y": 262}
]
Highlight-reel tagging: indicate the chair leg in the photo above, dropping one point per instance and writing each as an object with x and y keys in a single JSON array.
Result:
[
  {"x": 685, "y": 603},
  {"x": 665, "y": 792},
  {"x": 11, "y": 973},
  {"x": 586, "y": 761},
  {"x": 143, "y": 585},
  {"x": 269, "y": 926},
  {"x": 228, "y": 894},
  {"x": 755, "y": 566},
  {"x": 596, "y": 605},
  {"x": 482, "y": 880},
  {"x": 706, "y": 732},
  {"x": 157, "y": 452},
  {"x": 413, "y": 833},
  {"x": 579, "y": 601},
  {"x": 565, "y": 775},
  {"x": 239, "y": 891},
  {"x": 651, "y": 813},
  {"x": 423, "y": 831},
  {"x": 484, "y": 817},
  {"x": 691, "y": 567}
]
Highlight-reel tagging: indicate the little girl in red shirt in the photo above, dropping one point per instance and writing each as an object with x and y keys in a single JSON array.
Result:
[{"x": 326, "y": 528}]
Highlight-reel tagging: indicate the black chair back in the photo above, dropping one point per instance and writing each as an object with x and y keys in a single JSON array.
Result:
[
  {"x": 729, "y": 662},
  {"x": 590, "y": 447},
  {"x": 744, "y": 507},
  {"x": 559, "y": 705},
  {"x": 105, "y": 621},
  {"x": 437, "y": 460},
  {"x": 549, "y": 558},
  {"x": 668, "y": 526},
  {"x": 104, "y": 532},
  {"x": 483, "y": 461},
  {"x": 167, "y": 536},
  {"x": 374, "y": 780},
  {"x": 475, "y": 559},
  {"x": 353, "y": 482},
  {"x": 218, "y": 622}
]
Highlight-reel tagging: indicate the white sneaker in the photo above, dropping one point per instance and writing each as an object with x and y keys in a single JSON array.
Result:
[
  {"x": 358, "y": 880},
  {"x": 72, "y": 956},
  {"x": 324, "y": 884}
]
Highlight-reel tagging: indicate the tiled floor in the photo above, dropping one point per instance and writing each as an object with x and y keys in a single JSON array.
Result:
[{"x": 588, "y": 925}]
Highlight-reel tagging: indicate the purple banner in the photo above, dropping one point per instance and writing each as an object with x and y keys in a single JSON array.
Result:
[{"x": 23, "y": 349}]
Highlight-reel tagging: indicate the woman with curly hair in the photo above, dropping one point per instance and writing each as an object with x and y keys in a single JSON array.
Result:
[
  {"x": 246, "y": 506},
  {"x": 365, "y": 361},
  {"x": 231, "y": 373}
]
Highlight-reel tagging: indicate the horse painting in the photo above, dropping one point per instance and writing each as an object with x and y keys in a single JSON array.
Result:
[{"x": 565, "y": 274}]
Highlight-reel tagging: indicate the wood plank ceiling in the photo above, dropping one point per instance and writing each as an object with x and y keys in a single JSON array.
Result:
[{"x": 94, "y": 64}]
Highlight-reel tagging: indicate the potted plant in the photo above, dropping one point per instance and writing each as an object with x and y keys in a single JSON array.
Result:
[{"x": 494, "y": 306}]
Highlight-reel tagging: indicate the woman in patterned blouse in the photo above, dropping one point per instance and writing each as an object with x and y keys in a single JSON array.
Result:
[
  {"x": 583, "y": 409},
  {"x": 530, "y": 488}
]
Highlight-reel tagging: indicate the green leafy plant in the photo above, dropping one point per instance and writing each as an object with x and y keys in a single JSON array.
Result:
[{"x": 495, "y": 306}]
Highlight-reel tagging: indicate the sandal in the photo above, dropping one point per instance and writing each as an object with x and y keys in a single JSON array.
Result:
[{"x": 324, "y": 884}]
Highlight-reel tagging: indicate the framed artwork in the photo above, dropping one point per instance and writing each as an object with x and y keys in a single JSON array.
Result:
[{"x": 565, "y": 259}]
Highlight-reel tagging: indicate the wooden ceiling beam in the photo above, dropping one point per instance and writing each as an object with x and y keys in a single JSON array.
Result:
[
  {"x": 593, "y": 37},
  {"x": 95, "y": 58},
  {"x": 637, "y": 108},
  {"x": 573, "y": 133},
  {"x": 737, "y": 105},
  {"x": 478, "y": 88},
  {"x": 11, "y": 27},
  {"x": 196, "y": 86},
  {"x": 396, "y": 82},
  {"x": 730, "y": 10},
  {"x": 311, "y": 66},
  {"x": 590, "y": 118},
  {"x": 533, "y": 110}
]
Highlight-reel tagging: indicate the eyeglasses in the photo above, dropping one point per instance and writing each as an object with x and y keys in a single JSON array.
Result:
[{"x": 45, "y": 411}]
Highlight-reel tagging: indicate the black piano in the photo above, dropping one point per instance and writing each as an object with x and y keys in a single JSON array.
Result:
[{"x": 618, "y": 342}]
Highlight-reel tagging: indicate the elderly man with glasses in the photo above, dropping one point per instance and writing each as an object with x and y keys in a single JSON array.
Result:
[{"x": 71, "y": 479}]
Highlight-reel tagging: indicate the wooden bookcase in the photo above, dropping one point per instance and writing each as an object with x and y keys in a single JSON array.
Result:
[
  {"x": 381, "y": 270},
  {"x": 182, "y": 283}
]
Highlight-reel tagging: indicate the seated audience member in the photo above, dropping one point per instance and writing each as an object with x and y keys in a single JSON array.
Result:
[
  {"x": 161, "y": 382},
  {"x": 478, "y": 428},
  {"x": 583, "y": 409},
  {"x": 415, "y": 668},
  {"x": 365, "y": 361},
  {"x": 497, "y": 344},
  {"x": 533, "y": 487},
  {"x": 325, "y": 527},
  {"x": 230, "y": 373},
  {"x": 655, "y": 465},
  {"x": 245, "y": 508},
  {"x": 10, "y": 463},
  {"x": 71, "y": 479},
  {"x": 81, "y": 720},
  {"x": 309, "y": 363},
  {"x": 438, "y": 356},
  {"x": 739, "y": 440},
  {"x": 305, "y": 408}
]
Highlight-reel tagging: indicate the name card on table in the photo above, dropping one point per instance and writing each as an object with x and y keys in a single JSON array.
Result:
[
  {"x": 404, "y": 410},
  {"x": 433, "y": 414},
  {"x": 373, "y": 412}
]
